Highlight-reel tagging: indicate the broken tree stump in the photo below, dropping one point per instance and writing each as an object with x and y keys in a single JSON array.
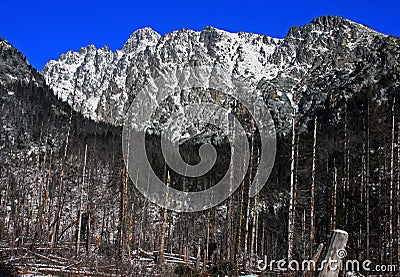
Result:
[{"x": 336, "y": 252}]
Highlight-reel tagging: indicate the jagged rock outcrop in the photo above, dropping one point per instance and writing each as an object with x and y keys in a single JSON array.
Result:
[{"x": 308, "y": 63}]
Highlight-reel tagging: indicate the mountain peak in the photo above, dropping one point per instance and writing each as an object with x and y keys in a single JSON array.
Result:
[
  {"x": 329, "y": 20},
  {"x": 333, "y": 26},
  {"x": 140, "y": 39},
  {"x": 14, "y": 66}
]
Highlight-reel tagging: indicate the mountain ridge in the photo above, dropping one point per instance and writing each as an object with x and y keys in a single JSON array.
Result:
[{"x": 107, "y": 80}]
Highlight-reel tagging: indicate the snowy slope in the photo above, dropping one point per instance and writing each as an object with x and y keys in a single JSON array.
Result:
[{"x": 331, "y": 48}]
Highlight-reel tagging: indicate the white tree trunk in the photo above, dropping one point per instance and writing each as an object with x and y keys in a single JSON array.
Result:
[
  {"x": 292, "y": 201},
  {"x": 312, "y": 204}
]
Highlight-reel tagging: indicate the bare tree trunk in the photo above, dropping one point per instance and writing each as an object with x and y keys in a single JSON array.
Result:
[
  {"x": 143, "y": 224},
  {"x": 206, "y": 256},
  {"x": 56, "y": 223},
  {"x": 15, "y": 204},
  {"x": 391, "y": 237},
  {"x": 253, "y": 241},
  {"x": 346, "y": 169},
  {"x": 170, "y": 243},
  {"x": 46, "y": 197},
  {"x": 130, "y": 225},
  {"x": 33, "y": 200},
  {"x": 362, "y": 195},
  {"x": 382, "y": 237},
  {"x": 246, "y": 230},
  {"x": 334, "y": 197},
  {"x": 5, "y": 222},
  {"x": 229, "y": 232},
  {"x": 303, "y": 233},
  {"x": 398, "y": 197},
  {"x": 367, "y": 190},
  {"x": 253, "y": 244},
  {"x": 256, "y": 229},
  {"x": 292, "y": 200},
  {"x": 89, "y": 213},
  {"x": 239, "y": 235},
  {"x": 21, "y": 188},
  {"x": 164, "y": 225},
  {"x": 122, "y": 223},
  {"x": 78, "y": 240},
  {"x": 337, "y": 245},
  {"x": 71, "y": 232},
  {"x": 198, "y": 257},
  {"x": 39, "y": 220},
  {"x": 312, "y": 204},
  {"x": 131, "y": 214},
  {"x": 263, "y": 239}
]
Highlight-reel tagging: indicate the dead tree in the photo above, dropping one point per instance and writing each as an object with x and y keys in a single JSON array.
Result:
[
  {"x": 334, "y": 197},
  {"x": 292, "y": 200},
  {"x": 78, "y": 239},
  {"x": 165, "y": 218},
  {"x": 336, "y": 252},
  {"x": 312, "y": 203},
  {"x": 398, "y": 197},
  {"x": 60, "y": 192},
  {"x": 393, "y": 144}
]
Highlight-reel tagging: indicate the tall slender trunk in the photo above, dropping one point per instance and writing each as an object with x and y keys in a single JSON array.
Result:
[
  {"x": 130, "y": 224},
  {"x": 33, "y": 200},
  {"x": 60, "y": 192},
  {"x": 334, "y": 197},
  {"x": 122, "y": 220},
  {"x": 263, "y": 242},
  {"x": 398, "y": 197},
  {"x": 89, "y": 214},
  {"x": 391, "y": 237},
  {"x": 253, "y": 244},
  {"x": 292, "y": 200},
  {"x": 346, "y": 170},
  {"x": 383, "y": 220},
  {"x": 247, "y": 222},
  {"x": 46, "y": 210},
  {"x": 39, "y": 220},
  {"x": 239, "y": 235},
  {"x": 363, "y": 189},
  {"x": 229, "y": 232},
  {"x": 303, "y": 233},
  {"x": 206, "y": 254},
  {"x": 5, "y": 201},
  {"x": 78, "y": 239},
  {"x": 229, "y": 228},
  {"x": 312, "y": 204},
  {"x": 367, "y": 188},
  {"x": 165, "y": 218}
]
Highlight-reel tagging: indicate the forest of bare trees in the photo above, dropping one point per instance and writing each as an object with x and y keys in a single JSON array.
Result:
[{"x": 67, "y": 199}]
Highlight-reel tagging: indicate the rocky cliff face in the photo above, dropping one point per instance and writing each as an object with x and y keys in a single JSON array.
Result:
[
  {"x": 305, "y": 66},
  {"x": 14, "y": 67}
]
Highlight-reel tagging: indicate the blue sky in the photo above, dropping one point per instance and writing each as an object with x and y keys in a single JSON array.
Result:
[{"x": 43, "y": 30}]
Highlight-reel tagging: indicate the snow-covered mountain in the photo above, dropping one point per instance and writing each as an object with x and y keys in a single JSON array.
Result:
[{"x": 311, "y": 61}]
